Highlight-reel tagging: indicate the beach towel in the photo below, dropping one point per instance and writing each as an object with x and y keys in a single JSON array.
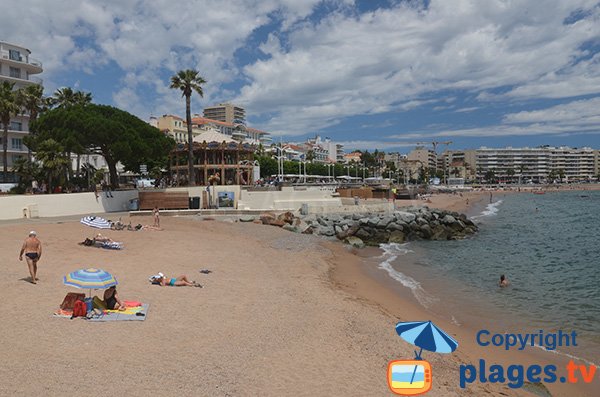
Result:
[
  {"x": 132, "y": 303},
  {"x": 138, "y": 313},
  {"x": 112, "y": 245}
]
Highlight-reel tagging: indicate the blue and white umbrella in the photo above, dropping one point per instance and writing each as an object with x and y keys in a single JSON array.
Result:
[
  {"x": 90, "y": 278},
  {"x": 426, "y": 335},
  {"x": 96, "y": 221}
]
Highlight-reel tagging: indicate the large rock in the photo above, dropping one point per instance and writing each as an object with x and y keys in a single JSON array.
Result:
[
  {"x": 426, "y": 231},
  {"x": 397, "y": 237},
  {"x": 277, "y": 222},
  {"x": 395, "y": 226},
  {"x": 287, "y": 217},
  {"x": 448, "y": 219},
  {"x": 383, "y": 222},
  {"x": 406, "y": 217},
  {"x": 354, "y": 241},
  {"x": 267, "y": 218},
  {"x": 290, "y": 228},
  {"x": 247, "y": 218}
]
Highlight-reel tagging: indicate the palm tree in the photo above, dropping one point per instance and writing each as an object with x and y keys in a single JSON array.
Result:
[
  {"x": 510, "y": 172},
  {"x": 9, "y": 107},
  {"x": 31, "y": 99},
  {"x": 65, "y": 96},
  {"x": 51, "y": 154},
  {"x": 188, "y": 81}
]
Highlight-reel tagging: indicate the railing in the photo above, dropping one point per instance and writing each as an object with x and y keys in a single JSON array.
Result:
[{"x": 27, "y": 60}]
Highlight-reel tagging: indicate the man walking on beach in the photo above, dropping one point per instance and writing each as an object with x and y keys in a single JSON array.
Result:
[{"x": 32, "y": 247}]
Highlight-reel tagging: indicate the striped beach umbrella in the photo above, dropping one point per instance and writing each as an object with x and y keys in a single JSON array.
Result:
[
  {"x": 426, "y": 335},
  {"x": 96, "y": 221},
  {"x": 90, "y": 278}
]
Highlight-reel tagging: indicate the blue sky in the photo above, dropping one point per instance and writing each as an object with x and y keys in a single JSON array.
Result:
[{"x": 371, "y": 74}]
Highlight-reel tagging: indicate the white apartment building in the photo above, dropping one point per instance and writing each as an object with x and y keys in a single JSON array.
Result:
[
  {"x": 536, "y": 164},
  {"x": 227, "y": 113},
  {"x": 18, "y": 67}
]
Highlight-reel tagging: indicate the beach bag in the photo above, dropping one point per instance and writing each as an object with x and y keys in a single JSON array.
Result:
[
  {"x": 69, "y": 302},
  {"x": 79, "y": 309}
]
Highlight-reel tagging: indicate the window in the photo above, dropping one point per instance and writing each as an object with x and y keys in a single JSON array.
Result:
[
  {"x": 14, "y": 55},
  {"x": 16, "y": 143},
  {"x": 15, "y": 72},
  {"x": 16, "y": 126}
]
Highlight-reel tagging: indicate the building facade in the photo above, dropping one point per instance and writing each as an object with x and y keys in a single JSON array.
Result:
[
  {"x": 226, "y": 112},
  {"x": 425, "y": 156},
  {"x": 538, "y": 165},
  {"x": 18, "y": 67}
]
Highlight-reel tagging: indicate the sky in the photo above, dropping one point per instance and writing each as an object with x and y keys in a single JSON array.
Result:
[{"x": 369, "y": 74}]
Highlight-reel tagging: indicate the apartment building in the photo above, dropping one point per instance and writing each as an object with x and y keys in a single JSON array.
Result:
[
  {"x": 18, "y": 67},
  {"x": 536, "y": 164},
  {"x": 226, "y": 112},
  {"x": 174, "y": 126},
  {"x": 426, "y": 157}
]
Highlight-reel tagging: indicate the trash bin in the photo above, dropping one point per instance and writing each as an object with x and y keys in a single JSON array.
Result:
[
  {"x": 304, "y": 209},
  {"x": 356, "y": 200},
  {"x": 195, "y": 203},
  {"x": 134, "y": 205}
]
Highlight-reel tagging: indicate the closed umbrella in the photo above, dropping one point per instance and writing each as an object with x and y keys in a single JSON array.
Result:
[
  {"x": 96, "y": 221},
  {"x": 90, "y": 278},
  {"x": 426, "y": 335}
]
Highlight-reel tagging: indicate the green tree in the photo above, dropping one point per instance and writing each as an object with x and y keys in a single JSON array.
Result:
[
  {"x": 51, "y": 154},
  {"x": 510, "y": 173},
  {"x": 268, "y": 166},
  {"x": 9, "y": 107},
  {"x": 31, "y": 99},
  {"x": 105, "y": 130},
  {"x": 490, "y": 176},
  {"x": 188, "y": 81},
  {"x": 27, "y": 171},
  {"x": 65, "y": 97}
]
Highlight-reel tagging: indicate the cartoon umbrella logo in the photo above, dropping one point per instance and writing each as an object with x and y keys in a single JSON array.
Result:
[{"x": 426, "y": 335}]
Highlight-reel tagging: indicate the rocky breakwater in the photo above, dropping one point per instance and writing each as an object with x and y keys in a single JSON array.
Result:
[{"x": 410, "y": 223}]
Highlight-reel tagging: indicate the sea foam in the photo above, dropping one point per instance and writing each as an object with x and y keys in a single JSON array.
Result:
[
  {"x": 390, "y": 253},
  {"x": 490, "y": 210}
]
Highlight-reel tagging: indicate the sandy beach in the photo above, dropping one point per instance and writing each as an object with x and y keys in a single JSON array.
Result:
[{"x": 281, "y": 314}]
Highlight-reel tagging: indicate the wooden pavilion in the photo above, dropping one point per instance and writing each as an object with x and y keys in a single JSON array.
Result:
[{"x": 215, "y": 153}]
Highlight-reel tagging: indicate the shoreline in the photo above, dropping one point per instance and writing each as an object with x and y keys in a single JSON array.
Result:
[{"x": 377, "y": 288}]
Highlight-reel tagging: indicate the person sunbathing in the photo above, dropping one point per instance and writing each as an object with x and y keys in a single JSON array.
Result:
[
  {"x": 111, "y": 298},
  {"x": 102, "y": 239},
  {"x": 181, "y": 281}
]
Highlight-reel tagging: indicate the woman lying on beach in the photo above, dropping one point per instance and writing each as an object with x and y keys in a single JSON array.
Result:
[{"x": 181, "y": 281}]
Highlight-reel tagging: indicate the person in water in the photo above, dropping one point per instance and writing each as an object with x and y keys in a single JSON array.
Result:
[
  {"x": 32, "y": 247},
  {"x": 503, "y": 281}
]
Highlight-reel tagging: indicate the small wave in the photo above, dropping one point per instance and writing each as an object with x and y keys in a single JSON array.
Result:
[
  {"x": 566, "y": 355},
  {"x": 490, "y": 210},
  {"x": 390, "y": 253}
]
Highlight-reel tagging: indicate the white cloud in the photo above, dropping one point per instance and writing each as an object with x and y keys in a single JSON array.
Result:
[{"x": 368, "y": 64}]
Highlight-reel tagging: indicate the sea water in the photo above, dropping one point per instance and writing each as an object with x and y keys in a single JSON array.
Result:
[{"x": 548, "y": 246}]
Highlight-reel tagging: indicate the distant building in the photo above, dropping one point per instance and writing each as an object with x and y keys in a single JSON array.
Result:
[
  {"x": 174, "y": 126},
  {"x": 227, "y": 113},
  {"x": 352, "y": 157},
  {"x": 318, "y": 150},
  {"x": 18, "y": 67},
  {"x": 425, "y": 156},
  {"x": 536, "y": 164}
]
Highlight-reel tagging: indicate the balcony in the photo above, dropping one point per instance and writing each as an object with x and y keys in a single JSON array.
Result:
[{"x": 36, "y": 66}]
